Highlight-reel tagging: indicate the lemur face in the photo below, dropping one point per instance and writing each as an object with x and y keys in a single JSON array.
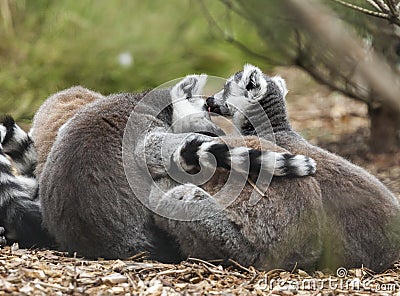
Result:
[
  {"x": 243, "y": 89},
  {"x": 190, "y": 112}
]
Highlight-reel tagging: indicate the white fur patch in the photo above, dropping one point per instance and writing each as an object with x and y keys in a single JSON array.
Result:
[
  {"x": 29, "y": 184},
  {"x": 303, "y": 165},
  {"x": 185, "y": 106},
  {"x": 191, "y": 83},
  {"x": 281, "y": 83},
  {"x": 19, "y": 134},
  {"x": 239, "y": 159},
  {"x": 4, "y": 160},
  {"x": 273, "y": 163},
  {"x": 6, "y": 178},
  {"x": 3, "y": 132}
]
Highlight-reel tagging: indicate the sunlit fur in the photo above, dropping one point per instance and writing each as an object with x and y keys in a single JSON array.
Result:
[{"x": 52, "y": 114}]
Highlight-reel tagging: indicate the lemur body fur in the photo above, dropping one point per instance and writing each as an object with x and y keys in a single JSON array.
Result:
[{"x": 363, "y": 216}]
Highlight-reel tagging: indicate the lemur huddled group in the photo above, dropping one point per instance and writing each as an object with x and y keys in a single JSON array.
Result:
[{"x": 111, "y": 176}]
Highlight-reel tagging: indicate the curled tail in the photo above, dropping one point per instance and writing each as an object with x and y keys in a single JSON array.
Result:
[
  {"x": 197, "y": 152},
  {"x": 19, "y": 146}
]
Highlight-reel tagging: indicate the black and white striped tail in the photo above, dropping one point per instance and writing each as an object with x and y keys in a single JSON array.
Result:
[
  {"x": 19, "y": 146},
  {"x": 196, "y": 153}
]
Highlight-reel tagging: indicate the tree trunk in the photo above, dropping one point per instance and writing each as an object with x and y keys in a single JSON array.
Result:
[{"x": 385, "y": 129}]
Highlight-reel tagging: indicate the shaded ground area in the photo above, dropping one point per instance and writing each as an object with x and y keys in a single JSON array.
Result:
[
  {"x": 24, "y": 272},
  {"x": 327, "y": 119}
]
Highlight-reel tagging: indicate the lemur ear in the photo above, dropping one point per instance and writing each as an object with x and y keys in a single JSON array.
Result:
[
  {"x": 281, "y": 83},
  {"x": 191, "y": 85}
]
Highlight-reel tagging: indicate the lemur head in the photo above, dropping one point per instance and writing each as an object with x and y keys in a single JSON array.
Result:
[
  {"x": 190, "y": 112},
  {"x": 245, "y": 88},
  {"x": 188, "y": 93}
]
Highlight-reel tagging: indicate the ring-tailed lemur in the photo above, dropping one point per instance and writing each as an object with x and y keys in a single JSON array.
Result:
[
  {"x": 95, "y": 212},
  {"x": 363, "y": 215},
  {"x": 20, "y": 212},
  {"x": 265, "y": 242}
]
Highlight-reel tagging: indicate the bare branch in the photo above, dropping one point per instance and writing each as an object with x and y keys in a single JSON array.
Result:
[
  {"x": 382, "y": 5},
  {"x": 374, "y": 5},
  {"x": 346, "y": 50},
  {"x": 393, "y": 18},
  {"x": 392, "y": 7},
  {"x": 363, "y": 10}
]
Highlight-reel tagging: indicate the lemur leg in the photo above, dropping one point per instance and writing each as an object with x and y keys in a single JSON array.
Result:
[
  {"x": 210, "y": 234},
  {"x": 20, "y": 213},
  {"x": 19, "y": 146}
]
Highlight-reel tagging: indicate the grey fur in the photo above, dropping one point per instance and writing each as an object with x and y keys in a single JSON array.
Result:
[
  {"x": 363, "y": 216},
  {"x": 90, "y": 208},
  {"x": 265, "y": 234}
]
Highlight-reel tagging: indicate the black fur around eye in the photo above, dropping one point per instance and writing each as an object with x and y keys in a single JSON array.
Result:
[{"x": 251, "y": 85}]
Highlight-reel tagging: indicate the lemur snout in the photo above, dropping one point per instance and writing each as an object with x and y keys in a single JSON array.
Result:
[{"x": 216, "y": 107}]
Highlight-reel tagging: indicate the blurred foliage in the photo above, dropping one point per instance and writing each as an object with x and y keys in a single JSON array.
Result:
[
  {"x": 286, "y": 42},
  {"x": 49, "y": 45}
]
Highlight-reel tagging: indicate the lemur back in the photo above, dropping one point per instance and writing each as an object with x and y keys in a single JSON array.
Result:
[
  {"x": 103, "y": 218},
  {"x": 109, "y": 221},
  {"x": 54, "y": 113},
  {"x": 363, "y": 216}
]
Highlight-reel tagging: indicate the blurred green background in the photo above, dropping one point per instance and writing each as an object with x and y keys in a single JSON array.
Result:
[
  {"x": 131, "y": 45},
  {"x": 108, "y": 46}
]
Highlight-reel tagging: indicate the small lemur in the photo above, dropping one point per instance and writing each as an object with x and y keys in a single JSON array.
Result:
[
  {"x": 20, "y": 211},
  {"x": 363, "y": 216},
  {"x": 103, "y": 218}
]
